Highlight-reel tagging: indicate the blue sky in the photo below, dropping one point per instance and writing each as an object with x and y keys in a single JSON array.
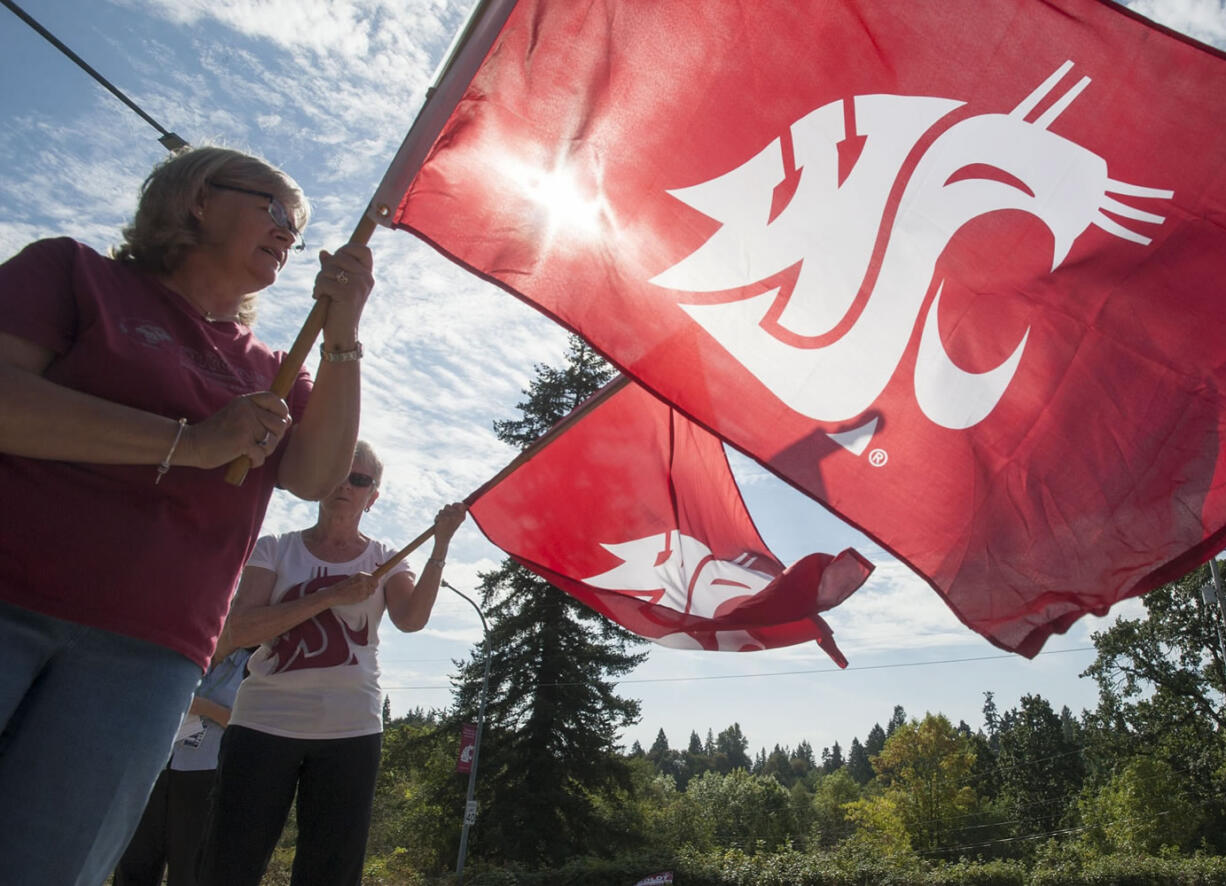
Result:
[{"x": 327, "y": 90}]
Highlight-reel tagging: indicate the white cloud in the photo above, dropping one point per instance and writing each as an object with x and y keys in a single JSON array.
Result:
[{"x": 1203, "y": 19}]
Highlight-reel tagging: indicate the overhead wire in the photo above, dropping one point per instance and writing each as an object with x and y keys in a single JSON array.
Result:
[
  {"x": 831, "y": 670},
  {"x": 169, "y": 140}
]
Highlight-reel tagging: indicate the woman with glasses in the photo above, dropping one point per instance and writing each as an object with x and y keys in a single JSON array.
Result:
[
  {"x": 308, "y": 718},
  {"x": 128, "y": 383}
]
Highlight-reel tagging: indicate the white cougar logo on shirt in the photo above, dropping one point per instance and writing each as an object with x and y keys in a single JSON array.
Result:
[{"x": 847, "y": 155}]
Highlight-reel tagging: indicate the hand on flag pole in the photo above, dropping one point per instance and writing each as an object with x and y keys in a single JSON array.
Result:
[{"x": 357, "y": 260}]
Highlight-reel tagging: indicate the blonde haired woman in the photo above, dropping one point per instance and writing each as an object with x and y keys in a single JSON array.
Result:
[
  {"x": 308, "y": 722},
  {"x": 128, "y": 384}
]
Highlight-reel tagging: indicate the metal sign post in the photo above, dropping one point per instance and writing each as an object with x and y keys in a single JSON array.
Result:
[{"x": 470, "y": 805}]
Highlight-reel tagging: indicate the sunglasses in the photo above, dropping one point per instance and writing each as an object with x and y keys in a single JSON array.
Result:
[
  {"x": 360, "y": 481},
  {"x": 276, "y": 209}
]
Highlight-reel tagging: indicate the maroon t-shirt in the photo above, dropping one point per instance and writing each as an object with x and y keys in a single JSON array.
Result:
[{"x": 103, "y": 545}]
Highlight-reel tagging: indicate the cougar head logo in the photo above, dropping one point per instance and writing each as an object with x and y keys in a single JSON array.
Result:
[
  {"x": 680, "y": 573},
  {"x": 323, "y": 641},
  {"x": 817, "y": 199}
]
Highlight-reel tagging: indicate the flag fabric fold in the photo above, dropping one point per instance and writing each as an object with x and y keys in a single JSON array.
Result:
[
  {"x": 634, "y": 511},
  {"x": 953, "y": 269}
]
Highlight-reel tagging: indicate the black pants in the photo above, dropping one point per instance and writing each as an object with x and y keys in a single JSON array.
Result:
[
  {"x": 256, "y": 778},
  {"x": 170, "y": 830}
]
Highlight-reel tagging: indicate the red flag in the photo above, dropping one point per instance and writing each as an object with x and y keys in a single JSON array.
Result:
[
  {"x": 953, "y": 268},
  {"x": 634, "y": 511}
]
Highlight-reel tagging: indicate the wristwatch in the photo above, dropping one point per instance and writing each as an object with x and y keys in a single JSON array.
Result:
[{"x": 341, "y": 356}]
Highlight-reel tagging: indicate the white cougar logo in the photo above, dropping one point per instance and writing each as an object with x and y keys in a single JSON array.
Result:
[
  {"x": 850, "y": 153},
  {"x": 679, "y": 572}
]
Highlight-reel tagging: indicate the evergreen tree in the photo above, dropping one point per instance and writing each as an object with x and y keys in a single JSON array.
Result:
[
  {"x": 732, "y": 749},
  {"x": 552, "y": 714},
  {"x": 1069, "y": 726},
  {"x": 991, "y": 719},
  {"x": 802, "y": 761},
  {"x": 898, "y": 718},
  {"x": 832, "y": 761},
  {"x": 804, "y": 753},
  {"x": 778, "y": 763},
  {"x": 696, "y": 747},
  {"x": 875, "y": 741},
  {"x": 858, "y": 766},
  {"x": 387, "y": 711},
  {"x": 985, "y": 775},
  {"x": 697, "y": 760},
  {"x": 659, "y": 748},
  {"x": 1040, "y": 773}
]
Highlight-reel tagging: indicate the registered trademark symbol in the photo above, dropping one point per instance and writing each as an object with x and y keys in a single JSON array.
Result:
[{"x": 878, "y": 457}]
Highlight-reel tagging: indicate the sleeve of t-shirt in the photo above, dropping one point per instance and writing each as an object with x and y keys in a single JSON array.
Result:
[
  {"x": 224, "y": 691},
  {"x": 36, "y": 295},
  {"x": 386, "y": 553},
  {"x": 266, "y": 553}
]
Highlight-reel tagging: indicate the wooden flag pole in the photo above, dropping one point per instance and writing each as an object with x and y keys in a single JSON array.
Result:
[
  {"x": 451, "y": 80},
  {"x": 236, "y": 473},
  {"x": 531, "y": 452}
]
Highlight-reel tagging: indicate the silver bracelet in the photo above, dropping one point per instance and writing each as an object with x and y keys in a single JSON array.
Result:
[
  {"x": 438, "y": 560},
  {"x": 165, "y": 465},
  {"x": 341, "y": 356}
]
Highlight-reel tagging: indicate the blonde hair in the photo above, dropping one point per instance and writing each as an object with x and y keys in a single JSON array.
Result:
[{"x": 165, "y": 226}]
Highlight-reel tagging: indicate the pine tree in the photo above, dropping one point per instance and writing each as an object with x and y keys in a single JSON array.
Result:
[
  {"x": 991, "y": 718},
  {"x": 875, "y": 741},
  {"x": 732, "y": 750},
  {"x": 552, "y": 714},
  {"x": 858, "y": 766},
  {"x": 387, "y": 711},
  {"x": 697, "y": 760},
  {"x": 659, "y": 748},
  {"x": 804, "y": 753},
  {"x": 898, "y": 718},
  {"x": 696, "y": 747},
  {"x": 1040, "y": 772},
  {"x": 778, "y": 763},
  {"x": 832, "y": 761}
]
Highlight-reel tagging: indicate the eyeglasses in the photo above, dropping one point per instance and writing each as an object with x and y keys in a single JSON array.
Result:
[
  {"x": 276, "y": 209},
  {"x": 360, "y": 481}
]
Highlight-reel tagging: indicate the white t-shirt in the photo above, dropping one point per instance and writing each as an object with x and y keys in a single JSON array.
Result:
[{"x": 320, "y": 679}]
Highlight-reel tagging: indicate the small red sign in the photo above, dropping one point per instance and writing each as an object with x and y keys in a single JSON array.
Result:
[{"x": 468, "y": 747}]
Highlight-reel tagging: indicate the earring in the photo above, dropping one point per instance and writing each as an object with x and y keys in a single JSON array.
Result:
[{"x": 367, "y": 509}]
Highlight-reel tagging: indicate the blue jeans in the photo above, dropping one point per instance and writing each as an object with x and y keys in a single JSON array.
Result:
[{"x": 87, "y": 720}]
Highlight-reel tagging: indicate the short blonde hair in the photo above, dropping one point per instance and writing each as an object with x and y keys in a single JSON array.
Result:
[
  {"x": 165, "y": 227},
  {"x": 366, "y": 451}
]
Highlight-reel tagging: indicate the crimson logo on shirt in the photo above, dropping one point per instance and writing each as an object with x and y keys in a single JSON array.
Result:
[{"x": 323, "y": 641}]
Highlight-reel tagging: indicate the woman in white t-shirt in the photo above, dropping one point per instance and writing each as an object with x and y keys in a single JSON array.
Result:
[{"x": 308, "y": 718}]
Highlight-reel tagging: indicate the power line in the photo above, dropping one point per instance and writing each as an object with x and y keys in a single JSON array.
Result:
[
  {"x": 833, "y": 670},
  {"x": 169, "y": 140}
]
